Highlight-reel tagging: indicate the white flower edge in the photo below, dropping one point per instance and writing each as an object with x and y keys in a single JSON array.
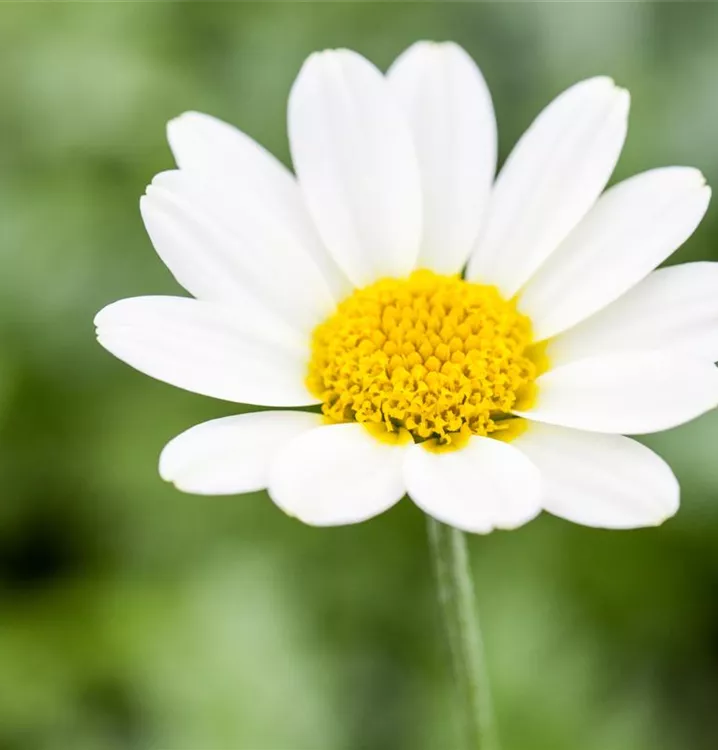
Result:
[{"x": 327, "y": 475}]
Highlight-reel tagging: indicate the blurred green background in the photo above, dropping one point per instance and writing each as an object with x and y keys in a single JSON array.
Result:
[{"x": 133, "y": 617}]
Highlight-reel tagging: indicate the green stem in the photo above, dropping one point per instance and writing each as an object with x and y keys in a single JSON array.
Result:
[{"x": 458, "y": 605}]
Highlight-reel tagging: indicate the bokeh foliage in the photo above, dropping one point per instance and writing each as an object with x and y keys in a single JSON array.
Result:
[{"x": 133, "y": 617}]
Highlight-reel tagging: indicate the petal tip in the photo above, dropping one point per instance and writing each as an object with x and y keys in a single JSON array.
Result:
[
  {"x": 99, "y": 316},
  {"x": 434, "y": 45},
  {"x": 167, "y": 471},
  {"x": 601, "y": 81},
  {"x": 108, "y": 314},
  {"x": 623, "y": 97},
  {"x": 607, "y": 87},
  {"x": 620, "y": 101},
  {"x": 331, "y": 53},
  {"x": 184, "y": 118},
  {"x": 694, "y": 177},
  {"x": 666, "y": 516}
]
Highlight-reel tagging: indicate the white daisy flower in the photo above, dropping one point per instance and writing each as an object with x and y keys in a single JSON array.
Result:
[{"x": 479, "y": 345}]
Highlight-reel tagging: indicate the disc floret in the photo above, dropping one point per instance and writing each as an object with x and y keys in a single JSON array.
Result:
[{"x": 437, "y": 356}]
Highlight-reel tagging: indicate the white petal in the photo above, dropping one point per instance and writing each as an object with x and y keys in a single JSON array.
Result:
[
  {"x": 233, "y": 454},
  {"x": 337, "y": 474},
  {"x": 632, "y": 393},
  {"x": 222, "y": 252},
  {"x": 550, "y": 180},
  {"x": 673, "y": 309},
  {"x": 205, "y": 145},
  {"x": 483, "y": 486},
  {"x": 267, "y": 255},
  {"x": 635, "y": 226},
  {"x": 355, "y": 159},
  {"x": 208, "y": 349},
  {"x": 608, "y": 481},
  {"x": 451, "y": 116},
  {"x": 208, "y": 148}
]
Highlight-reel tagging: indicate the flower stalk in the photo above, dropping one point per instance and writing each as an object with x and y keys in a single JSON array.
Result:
[{"x": 460, "y": 615}]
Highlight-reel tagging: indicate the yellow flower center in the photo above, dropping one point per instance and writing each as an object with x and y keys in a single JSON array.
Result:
[{"x": 433, "y": 355}]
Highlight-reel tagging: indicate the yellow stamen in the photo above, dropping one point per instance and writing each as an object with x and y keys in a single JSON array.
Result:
[{"x": 433, "y": 355}]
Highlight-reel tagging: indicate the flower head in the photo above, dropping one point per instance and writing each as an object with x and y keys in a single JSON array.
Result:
[{"x": 481, "y": 345}]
